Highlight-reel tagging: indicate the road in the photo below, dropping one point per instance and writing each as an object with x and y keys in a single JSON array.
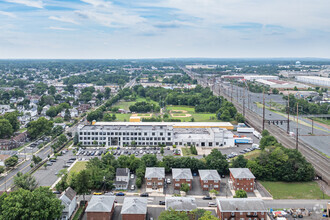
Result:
[{"x": 320, "y": 162}]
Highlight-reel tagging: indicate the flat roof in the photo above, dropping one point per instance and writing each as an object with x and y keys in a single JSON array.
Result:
[{"x": 192, "y": 124}]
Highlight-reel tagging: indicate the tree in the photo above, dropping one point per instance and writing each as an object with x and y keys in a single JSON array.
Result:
[
  {"x": 215, "y": 160},
  {"x": 162, "y": 150},
  {"x": 52, "y": 90},
  {"x": 39, "y": 127},
  {"x": 81, "y": 183},
  {"x": 239, "y": 162},
  {"x": 2, "y": 169},
  {"x": 36, "y": 159},
  {"x": 67, "y": 116},
  {"x": 225, "y": 116},
  {"x": 25, "y": 181},
  {"x": 63, "y": 183},
  {"x": 11, "y": 161},
  {"x": 107, "y": 92},
  {"x": 240, "y": 194},
  {"x": 185, "y": 187},
  {"x": 75, "y": 138},
  {"x": 52, "y": 112},
  {"x": 62, "y": 139},
  {"x": 171, "y": 214},
  {"x": 138, "y": 182},
  {"x": 275, "y": 91},
  {"x": 6, "y": 130},
  {"x": 12, "y": 118},
  {"x": 24, "y": 204},
  {"x": 208, "y": 216}
]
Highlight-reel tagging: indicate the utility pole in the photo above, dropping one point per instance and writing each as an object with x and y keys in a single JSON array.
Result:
[
  {"x": 237, "y": 93},
  {"x": 288, "y": 124},
  {"x": 231, "y": 92},
  {"x": 244, "y": 104},
  {"x": 312, "y": 125},
  {"x": 270, "y": 104},
  {"x": 297, "y": 127},
  {"x": 263, "y": 110}
]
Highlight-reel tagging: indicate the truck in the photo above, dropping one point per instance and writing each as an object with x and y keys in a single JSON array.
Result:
[
  {"x": 245, "y": 130},
  {"x": 257, "y": 134},
  {"x": 243, "y": 141}
]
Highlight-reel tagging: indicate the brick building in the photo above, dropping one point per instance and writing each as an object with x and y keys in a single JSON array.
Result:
[
  {"x": 181, "y": 204},
  {"x": 14, "y": 142},
  {"x": 209, "y": 179},
  {"x": 241, "y": 178},
  {"x": 180, "y": 176},
  {"x": 134, "y": 208},
  {"x": 100, "y": 208},
  {"x": 241, "y": 208},
  {"x": 155, "y": 177}
]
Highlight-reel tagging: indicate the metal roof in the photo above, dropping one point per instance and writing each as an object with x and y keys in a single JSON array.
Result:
[
  {"x": 122, "y": 172},
  {"x": 181, "y": 173},
  {"x": 180, "y": 203},
  {"x": 100, "y": 203},
  {"x": 241, "y": 173},
  {"x": 155, "y": 172},
  {"x": 241, "y": 205},
  {"x": 209, "y": 175},
  {"x": 134, "y": 205}
]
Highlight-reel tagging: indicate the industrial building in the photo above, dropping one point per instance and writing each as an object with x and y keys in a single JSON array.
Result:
[
  {"x": 204, "y": 134},
  {"x": 315, "y": 80},
  {"x": 250, "y": 77},
  {"x": 281, "y": 85}
]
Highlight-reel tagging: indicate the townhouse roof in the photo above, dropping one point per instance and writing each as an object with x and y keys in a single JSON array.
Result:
[
  {"x": 100, "y": 203},
  {"x": 180, "y": 203},
  {"x": 241, "y": 173},
  {"x": 209, "y": 175},
  {"x": 241, "y": 205},
  {"x": 134, "y": 205},
  {"x": 182, "y": 173},
  {"x": 155, "y": 172},
  {"x": 122, "y": 171}
]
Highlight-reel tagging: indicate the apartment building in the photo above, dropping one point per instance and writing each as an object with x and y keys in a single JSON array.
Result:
[
  {"x": 180, "y": 176},
  {"x": 155, "y": 178},
  {"x": 209, "y": 179},
  {"x": 241, "y": 178}
]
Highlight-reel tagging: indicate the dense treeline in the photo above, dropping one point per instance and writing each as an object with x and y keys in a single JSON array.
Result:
[
  {"x": 143, "y": 107},
  {"x": 277, "y": 163},
  {"x": 101, "y": 79},
  {"x": 8, "y": 124},
  {"x": 178, "y": 79},
  {"x": 306, "y": 107}
]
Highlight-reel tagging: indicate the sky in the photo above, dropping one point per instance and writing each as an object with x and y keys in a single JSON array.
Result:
[{"x": 123, "y": 29}]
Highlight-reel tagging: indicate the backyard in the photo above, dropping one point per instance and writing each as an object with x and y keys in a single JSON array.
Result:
[{"x": 300, "y": 190}]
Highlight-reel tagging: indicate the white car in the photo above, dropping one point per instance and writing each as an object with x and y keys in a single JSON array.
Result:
[
  {"x": 212, "y": 204},
  {"x": 132, "y": 187},
  {"x": 132, "y": 176},
  {"x": 168, "y": 181}
]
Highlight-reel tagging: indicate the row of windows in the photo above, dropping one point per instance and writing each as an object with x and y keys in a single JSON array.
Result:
[
  {"x": 179, "y": 180},
  {"x": 247, "y": 219},
  {"x": 159, "y": 183},
  {"x": 207, "y": 186},
  {"x": 244, "y": 184},
  {"x": 124, "y": 133},
  {"x": 215, "y": 181}
]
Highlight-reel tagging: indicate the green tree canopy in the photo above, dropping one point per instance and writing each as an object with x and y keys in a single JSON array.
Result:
[
  {"x": 25, "y": 181},
  {"x": 240, "y": 194}
]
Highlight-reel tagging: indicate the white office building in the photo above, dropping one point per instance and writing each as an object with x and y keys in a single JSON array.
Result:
[
  {"x": 315, "y": 80},
  {"x": 205, "y": 134}
]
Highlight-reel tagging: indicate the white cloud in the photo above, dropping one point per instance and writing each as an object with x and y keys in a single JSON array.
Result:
[
  {"x": 63, "y": 19},
  {"x": 9, "y": 14},
  {"x": 30, "y": 3},
  {"x": 61, "y": 28}
]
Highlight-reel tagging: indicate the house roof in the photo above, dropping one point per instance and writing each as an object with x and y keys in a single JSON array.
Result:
[
  {"x": 180, "y": 203},
  {"x": 181, "y": 173},
  {"x": 70, "y": 193},
  {"x": 122, "y": 172},
  {"x": 209, "y": 175},
  {"x": 241, "y": 173},
  {"x": 134, "y": 205},
  {"x": 155, "y": 172},
  {"x": 100, "y": 204},
  {"x": 241, "y": 205}
]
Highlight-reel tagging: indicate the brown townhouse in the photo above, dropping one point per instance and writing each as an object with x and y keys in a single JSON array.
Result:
[
  {"x": 209, "y": 179},
  {"x": 100, "y": 207},
  {"x": 241, "y": 178},
  {"x": 180, "y": 176},
  {"x": 134, "y": 208},
  {"x": 241, "y": 209},
  {"x": 155, "y": 177}
]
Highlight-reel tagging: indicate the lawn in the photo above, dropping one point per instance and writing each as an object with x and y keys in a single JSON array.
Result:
[
  {"x": 79, "y": 166},
  {"x": 123, "y": 117},
  {"x": 125, "y": 105},
  {"x": 301, "y": 190},
  {"x": 252, "y": 154},
  {"x": 189, "y": 109},
  {"x": 178, "y": 114},
  {"x": 323, "y": 121},
  {"x": 186, "y": 151}
]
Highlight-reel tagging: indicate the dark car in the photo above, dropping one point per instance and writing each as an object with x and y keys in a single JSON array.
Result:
[
  {"x": 207, "y": 198},
  {"x": 120, "y": 194},
  {"x": 56, "y": 192},
  {"x": 144, "y": 195},
  {"x": 161, "y": 202},
  {"x": 52, "y": 160},
  {"x": 72, "y": 158}
]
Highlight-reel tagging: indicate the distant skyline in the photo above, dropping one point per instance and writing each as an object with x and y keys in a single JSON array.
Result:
[{"x": 124, "y": 29}]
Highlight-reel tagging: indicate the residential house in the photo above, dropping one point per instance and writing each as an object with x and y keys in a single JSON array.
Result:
[
  {"x": 45, "y": 109},
  {"x": 155, "y": 177},
  {"x": 241, "y": 208},
  {"x": 14, "y": 142},
  {"x": 181, "y": 204},
  {"x": 100, "y": 207},
  {"x": 134, "y": 208},
  {"x": 69, "y": 201},
  {"x": 241, "y": 178},
  {"x": 83, "y": 108},
  {"x": 122, "y": 178},
  {"x": 209, "y": 179},
  {"x": 73, "y": 113},
  {"x": 180, "y": 176}
]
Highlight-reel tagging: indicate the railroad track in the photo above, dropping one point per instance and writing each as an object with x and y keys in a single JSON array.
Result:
[{"x": 320, "y": 162}]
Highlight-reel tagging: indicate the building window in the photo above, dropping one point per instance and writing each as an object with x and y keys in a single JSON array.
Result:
[
  {"x": 216, "y": 181},
  {"x": 205, "y": 181},
  {"x": 241, "y": 213},
  {"x": 149, "y": 183},
  {"x": 205, "y": 186},
  {"x": 149, "y": 178},
  {"x": 216, "y": 186},
  {"x": 177, "y": 184},
  {"x": 169, "y": 134},
  {"x": 153, "y": 133},
  {"x": 177, "y": 180},
  {"x": 160, "y": 183},
  {"x": 262, "y": 213}
]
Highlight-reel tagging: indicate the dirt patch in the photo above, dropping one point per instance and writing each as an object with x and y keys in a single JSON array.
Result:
[{"x": 182, "y": 114}]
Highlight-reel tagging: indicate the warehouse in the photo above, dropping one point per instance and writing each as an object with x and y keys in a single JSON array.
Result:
[
  {"x": 281, "y": 85},
  {"x": 315, "y": 80},
  {"x": 206, "y": 134}
]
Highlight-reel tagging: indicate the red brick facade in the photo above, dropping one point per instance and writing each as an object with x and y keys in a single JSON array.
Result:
[
  {"x": 241, "y": 215},
  {"x": 247, "y": 184},
  {"x": 208, "y": 185},
  {"x": 179, "y": 182},
  {"x": 154, "y": 183},
  {"x": 133, "y": 217},
  {"x": 100, "y": 215}
]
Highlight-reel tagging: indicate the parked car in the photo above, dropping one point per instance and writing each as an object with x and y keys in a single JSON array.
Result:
[
  {"x": 49, "y": 163},
  {"x": 161, "y": 202},
  {"x": 97, "y": 193},
  {"x": 212, "y": 204},
  {"x": 207, "y": 198},
  {"x": 56, "y": 192},
  {"x": 132, "y": 187},
  {"x": 144, "y": 195},
  {"x": 132, "y": 175},
  {"x": 120, "y": 194},
  {"x": 168, "y": 181},
  {"x": 52, "y": 160}
]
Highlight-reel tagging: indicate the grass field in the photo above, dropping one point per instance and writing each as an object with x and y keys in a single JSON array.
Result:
[
  {"x": 323, "y": 121},
  {"x": 252, "y": 154},
  {"x": 178, "y": 114},
  {"x": 186, "y": 151},
  {"x": 189, "y": 109},
  {"x": 199, "y": 117},
  {"x": 79, "y": 165},
  {"x": 123, "y": 117},
  {"x": 144, "y": 115},
  {"x": 303, "y": 190},
  {"x": 125, "y": 105}
]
